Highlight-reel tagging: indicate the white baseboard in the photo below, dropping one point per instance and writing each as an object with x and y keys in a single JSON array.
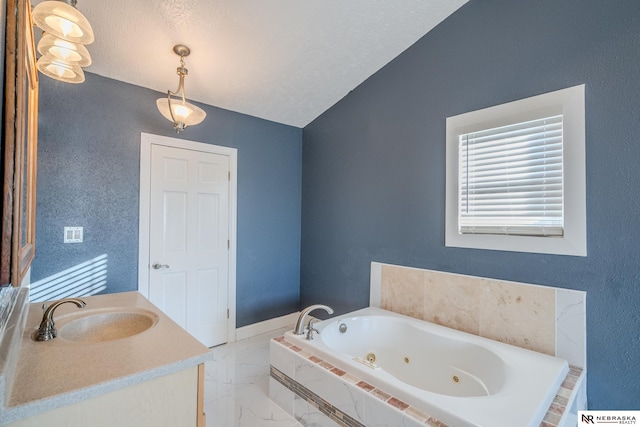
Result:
[{"x": 266, "y": 326}]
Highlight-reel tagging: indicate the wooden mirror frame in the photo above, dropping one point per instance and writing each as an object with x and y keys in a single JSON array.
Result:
[{"x": 20, "y": 145}]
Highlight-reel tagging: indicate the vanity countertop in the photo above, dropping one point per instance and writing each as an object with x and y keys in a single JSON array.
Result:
[{"x": 55, "y": 373}]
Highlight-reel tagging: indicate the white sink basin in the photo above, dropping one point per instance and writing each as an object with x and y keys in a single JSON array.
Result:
[{"x": 102, "y": 325}]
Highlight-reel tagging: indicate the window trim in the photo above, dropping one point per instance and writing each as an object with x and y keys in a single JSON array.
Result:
[{"x": 568, "y": 102}]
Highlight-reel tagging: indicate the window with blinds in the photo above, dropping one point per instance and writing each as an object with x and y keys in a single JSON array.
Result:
[
  {"x": 516, "y": 176},
  {"x": 511, "y": 179}
]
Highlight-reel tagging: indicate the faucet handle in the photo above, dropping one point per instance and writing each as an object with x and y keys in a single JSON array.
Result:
[{"x": 311, "y": 329}]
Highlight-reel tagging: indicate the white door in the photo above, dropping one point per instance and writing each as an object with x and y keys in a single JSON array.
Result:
[{"x": 189, "y": 239}]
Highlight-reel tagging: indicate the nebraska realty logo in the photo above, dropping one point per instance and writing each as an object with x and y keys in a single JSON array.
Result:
[{"x": 588, "y": 418}]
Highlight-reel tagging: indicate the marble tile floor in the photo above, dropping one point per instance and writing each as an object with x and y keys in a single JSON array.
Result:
[{"x": 236, "y": 387}]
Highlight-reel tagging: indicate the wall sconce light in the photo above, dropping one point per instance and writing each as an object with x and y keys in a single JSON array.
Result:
[
  {"x": 66, "y": 31},
  {"x": 178, "y": 110}
]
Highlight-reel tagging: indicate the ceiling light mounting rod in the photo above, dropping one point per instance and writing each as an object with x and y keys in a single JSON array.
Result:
[
  {"x": 182, "y": 51},
  {"x": 175, "y": 106}
]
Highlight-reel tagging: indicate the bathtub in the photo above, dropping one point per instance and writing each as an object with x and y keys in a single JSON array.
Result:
[{"x": 459, "y": 378}]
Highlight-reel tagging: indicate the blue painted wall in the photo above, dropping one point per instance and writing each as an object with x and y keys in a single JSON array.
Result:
[
  {"x": 374, "y": 166},
  {"x": 88, "y": 175}
]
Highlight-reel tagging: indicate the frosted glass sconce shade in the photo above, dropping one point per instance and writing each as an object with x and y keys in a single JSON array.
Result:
[
  {"x": 63, "y": 21},
  {"x": 60, "y": 70},
  {"x": 72, "y": 53}
]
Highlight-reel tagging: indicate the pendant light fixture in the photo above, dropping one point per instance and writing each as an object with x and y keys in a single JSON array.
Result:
[
  {"x": 60, "y": 70},
  {"x": 63, "y": 20},
  {"x": 178, "y": 110},
  {"x": 66, "y": 30},
  {"x": 64, "y": 50}
]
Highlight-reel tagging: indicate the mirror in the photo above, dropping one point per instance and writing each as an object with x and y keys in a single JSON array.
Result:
[{"x": 19, "y": 150}]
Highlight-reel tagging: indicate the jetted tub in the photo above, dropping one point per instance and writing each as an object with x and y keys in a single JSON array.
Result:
[{"x": 459, "y": 378}]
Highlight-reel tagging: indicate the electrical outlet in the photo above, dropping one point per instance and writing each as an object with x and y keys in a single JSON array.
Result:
[{"x": 73, "y": 234}]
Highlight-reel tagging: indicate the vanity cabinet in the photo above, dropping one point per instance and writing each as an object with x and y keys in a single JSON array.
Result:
[
  {"x": 172, "y": 400},
  {"x": 153, "y": 378}
]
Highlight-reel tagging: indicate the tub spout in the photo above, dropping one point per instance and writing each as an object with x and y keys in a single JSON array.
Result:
[{"x": 299, "y": 328}]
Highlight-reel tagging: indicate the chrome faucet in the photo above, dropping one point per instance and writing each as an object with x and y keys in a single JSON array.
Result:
[
  {"x": 299, "y": 328},
  {"x": 47, "y": 330}
]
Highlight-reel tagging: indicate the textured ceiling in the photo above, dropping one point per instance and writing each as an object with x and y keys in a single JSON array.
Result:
[{"x": 281, "y": 60}]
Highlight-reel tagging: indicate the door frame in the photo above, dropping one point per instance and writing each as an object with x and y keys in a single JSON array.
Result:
[{"x": 146, "y": 141}]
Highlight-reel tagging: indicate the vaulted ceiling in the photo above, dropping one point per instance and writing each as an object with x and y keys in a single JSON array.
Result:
[{"x": 281, "y": 60}]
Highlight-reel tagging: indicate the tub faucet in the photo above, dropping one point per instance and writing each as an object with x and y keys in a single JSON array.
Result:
[
  {"x": 299, "y": 328},
  {"x": 47, "y": 330}
]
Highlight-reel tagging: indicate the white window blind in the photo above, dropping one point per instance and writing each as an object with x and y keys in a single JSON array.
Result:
[{"x": 511, "y": 179}]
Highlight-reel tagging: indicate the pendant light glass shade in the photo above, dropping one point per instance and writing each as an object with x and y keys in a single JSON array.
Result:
[
  {"x": 174, "y": 107},
  {"x": 60, "y": 70},
  {"x": 184, "y": 113},
  {"x": 63, "y": 21},
  {"x": 72, "y": 53}
]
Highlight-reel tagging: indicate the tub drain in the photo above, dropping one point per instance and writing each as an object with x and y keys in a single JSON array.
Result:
[
  {"x": 406, "y": 360},
  {"x": 455, "y": 379},
  {"x": 371, "y": 358}
]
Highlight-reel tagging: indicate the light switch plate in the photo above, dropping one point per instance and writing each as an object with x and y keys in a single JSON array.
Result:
[{"x": 73, "y": 234}]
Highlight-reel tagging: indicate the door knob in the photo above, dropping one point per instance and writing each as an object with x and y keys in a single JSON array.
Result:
[{"x": 158, "y": 266}]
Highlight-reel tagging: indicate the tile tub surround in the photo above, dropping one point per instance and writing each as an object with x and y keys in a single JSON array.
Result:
[
  {"x": 56, "y": 373},
  {"x": 539, "y": 318},
  {"x": 316, "y": 391}
]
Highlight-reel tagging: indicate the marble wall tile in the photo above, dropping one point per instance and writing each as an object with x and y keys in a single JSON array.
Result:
[
  {"x": 281, "y": 395},
  {"x": 341, "y": 394},
  {"x": 453, "y": 300},
  {"x": 282, "y": 358},
  {"x": 571, "y": 328},
  {"x": 544, "y": 319},
  {"x": 380, "y": 414},
  {"x": 403, "y": 290},
  {"x": 375, "y": 277},
  {"x": 309, "y": 415},
  {"x": 300, "y": 364},
  {"x": 519, "y": 315}
]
